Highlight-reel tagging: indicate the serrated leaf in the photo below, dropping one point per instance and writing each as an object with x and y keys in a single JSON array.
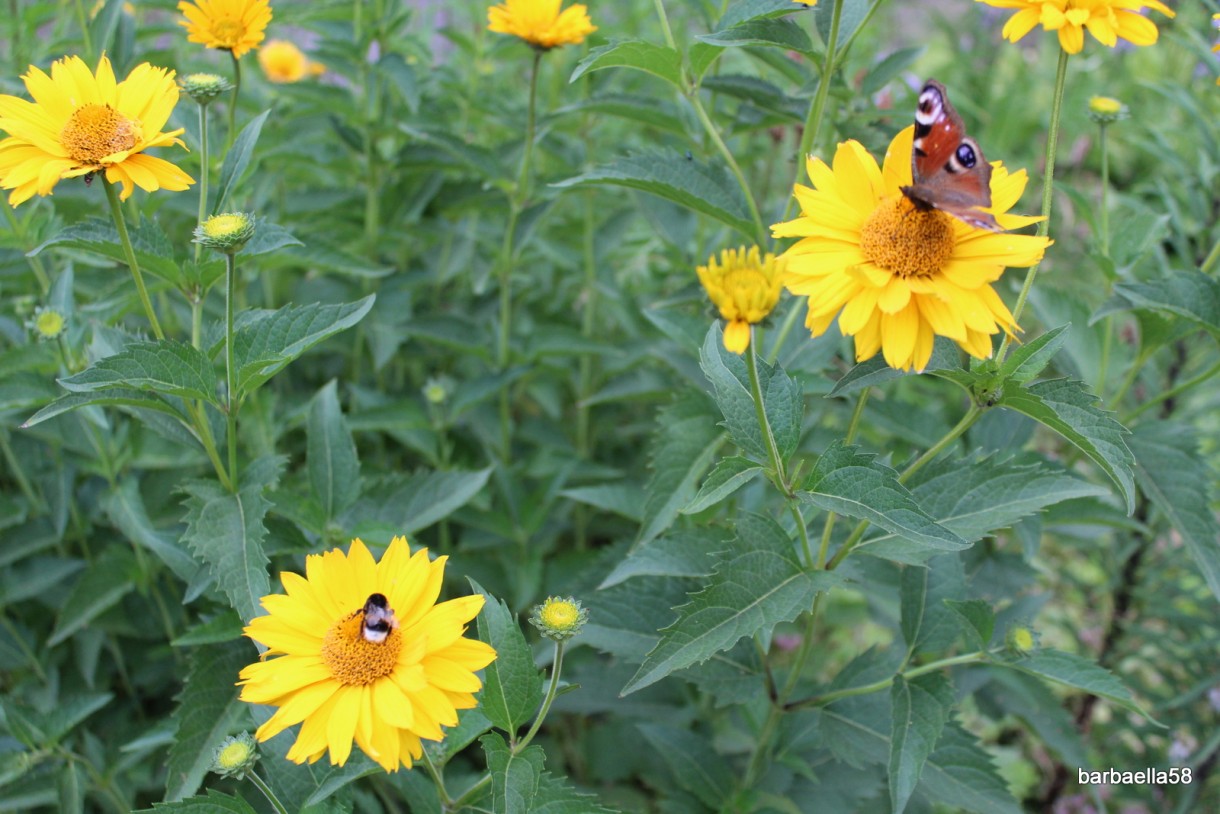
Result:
[
  {"x": 237, "y": 159},
  {"x": 225, "y": 530},
  {"x": 743, "y": 11},
  {"x": 166, "y": 367},
  {"x": 111, "y": 397},
  {"x": 1068, "y": 408},
  {"x": 471, "y": 724},
  {"x": 625, "y": 498},
  {"x": 729, "y": 475},
  {"x": 928, "y": 624},
  {"x": 775, "y": 33},
  {"x": 759, "y": 584},
  {"x": 1178, "y": 481},
  {"x": 407, "y": 505},
  {"x": 1029, "y": 359},
  {"x": 658, "y": 60},
  {"x": 153, "y": 250},
  {"x": 124, "y": 505},
  {"x": 945, "y": 357},
  {"x": 1029, "y": 698},
  {"x": 514, "y": 778},
  {"x": 979, "y": 620},
  {"x": 959, "y": 774},
  {"x": 265, "y": 345},
  {"x": 555, "y": 796},
  {"x": 920, "y": 709},
  {"x": 686, "y": 553},
  {"x": 1076, "y": 671},
  {"x": 695, "y": 765},
  {"x": 108, "y": 579},
  {"x": 847, "y": 481},
  {"x": 512, "y": 690},
  {"x": 623, "y": 618},
  {"x": 1189, "y": 294},
  {"x": 683, "y": 447},
  {"x": 783, "y": 403},
  {"x": 213, "y": 802},
  {"x": 207, "y": 710},
  {"x": 707, "y": 189},
  {"x": 334, "y": 469}
]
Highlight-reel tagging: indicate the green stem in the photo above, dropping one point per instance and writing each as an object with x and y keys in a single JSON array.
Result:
[
  {"x": 18, "y": 473},
  {"x": 853, "y": 427},
  {"x": 1132, "y": 373},
  {"x": 233, "y": 102},
  {"x": 232, "y": 403},
  {"x": 884, "y": 684},
  {"x": 1048, "y": 192},
  {"x": 1212, "y": 260},
  {"x": 760, "y": 412},
  {"x": 267, "y": 792},
  {"x": 551, "y": 691},
  {"x": 125, "y": 239},
  {"x": 1105, "y": 188},
  {"x": 18, "y": 227},
  {"x": 1172, "y": 392},
  {"x": 972, "y": 415},
  {"x": 710, "y": 127},
  {"x": 438, "y": 780},
  {"x": 85, "y": 35},
  {"x": 669, "y": 34},
  {"x": 203, "y": 173}
]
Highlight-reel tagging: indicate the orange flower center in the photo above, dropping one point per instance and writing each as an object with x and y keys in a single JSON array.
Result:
[
  {"x": 353, "y": 659},
  {"x": 96, "y": 131},
  {"x": 905, "y": 241}
]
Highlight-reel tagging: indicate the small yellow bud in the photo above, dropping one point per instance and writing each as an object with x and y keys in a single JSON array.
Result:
[{"x": 559, "y": 618}]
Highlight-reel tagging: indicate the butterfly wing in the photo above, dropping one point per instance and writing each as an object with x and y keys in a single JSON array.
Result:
[{"x": 948, "y": 170}]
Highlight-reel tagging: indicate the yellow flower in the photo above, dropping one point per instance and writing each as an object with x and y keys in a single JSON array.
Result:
[
  {"x": 283, "y": 62},
  {"x": 900, "y": 276},
  {"x": 80, "y": 123},
  {"x": 1107, "y": 20},
  {"x": 230, "y": 25},
  {"x": 1216, "y": 47},
  {"x": 365, "y": 652},
  {"x": 745, "y": 286},
  {"x": 540, "y": 22}
]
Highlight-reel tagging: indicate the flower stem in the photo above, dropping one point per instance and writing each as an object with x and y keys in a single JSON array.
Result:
[
  {"x": 203, "y": 172},
  {"x": 972, "y": 415},
  {"x": 1105, "y": 188},
  {"x": 233, "y": 102},
  {"x": 760, "y": 232},
  {"x": 232, "y": 403},
  {"x": 267, "y": 792},
  {"x": 551, "y": 691},
  {"x": 883, "y": 684},
  {"x": 760, "y": 412},
  {"x": 1212, "y": 259},
  {"x": 1165, "y": 395},
  {"x": 1048, "y": 192},
  {"x": 669, "y": 34},
  {"x": 120, "y": 225}
]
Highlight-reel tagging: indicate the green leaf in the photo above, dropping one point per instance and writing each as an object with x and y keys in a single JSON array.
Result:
[
  {"x": 759, "y": 584},
  {"x": 124, "y": 505},
  {"x": 657, "y": 60},
  {"x": 850, "y": 482},
  {"x": 701, "y": 56},
  {"x": 457, "y": 151},
  {"x": 1078, "y": 672},
  {"x": 213, "y": 802},
  {"x": 153, "y": 250},
  {"x": 685, "y": 443},
  {"x": 1028, "y": 360},
  {"x": 1178, "y": 481},
  {"x": 514, "y": 778},
  {"x": 692, "y": 761},
  {"x": 783, "y": 403},
  {"x": 920, "y": 709},
  {"x": 237, "y": 159},
  {"x": 874, "y": 371},
  {"x": 513, "y": 687},
  {"x": 555, "y": 796},
  {"x": 687, "y": 553},
  {"x": 167, "y": 367},
  {"x": 207, "y": 711},
  {"x": 407, "y": 505},
  {"x": 109, "y": 578},
  {"x": 1068, "y": 408},
  {"x": 703, "y": 188},
  {"x": 119, "y": 397},
  {"x": 268, "y": 341},
  {"x": 225, "y": 530},
  {"x": 770, "y": 32},
  {"x": 334, "y": 469},
  {"x": 625, "y": 498},
  {"x": 729, "y": 475},
  {"x": 979, "y": 619},
  {"x": 961, "y": 776},
  {"x": 1190, "y": 294},
  {"x": 890, "y": 68},
  {"x": 851, "y": 17},
  {"x": 743, "y": 11},
  {"x": 929, "y": 625}
]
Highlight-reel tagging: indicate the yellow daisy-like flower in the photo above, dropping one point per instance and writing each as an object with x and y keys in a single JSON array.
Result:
[
  {"x": 80, "y": 123},
  {"x": 1216, "y": 47},
  {"x": 230, "y": 25},
  {"x": 365, "y": 653},
  {"x": 1107, "y": 20},
  {"x": 541, "y": 23},
  {"x": 898, "y": 275},
  {"x": 282, "y": 62},
  {"x": 745, "y": 286}
]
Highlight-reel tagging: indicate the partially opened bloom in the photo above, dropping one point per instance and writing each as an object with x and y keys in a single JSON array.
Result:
[
  {"x": 897, "y": 277},
  {"x": 1107, "y": 20},
  {"x": 80, "y": 123},
  {"x": 541, "y": 23},
  {"x": 365, "y": 653},
  {"x": 228, "y": 25},
  {"x": 282, "y": 62},
  {"x": 745, "y": 286}
]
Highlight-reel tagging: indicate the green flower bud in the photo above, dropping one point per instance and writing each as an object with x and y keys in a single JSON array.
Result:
[
  {"x": 559, "y": 618},
  {"x": 204, "y": 87},
  {"x": 226, "y": 233},
  {"x": 235, "y": 756}
]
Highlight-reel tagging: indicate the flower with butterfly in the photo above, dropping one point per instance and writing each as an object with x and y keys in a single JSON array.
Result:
[{"x": 908, "y": 251}]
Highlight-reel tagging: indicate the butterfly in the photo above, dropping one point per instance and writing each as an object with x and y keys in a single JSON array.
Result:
[{"x": 948, "y": 170}]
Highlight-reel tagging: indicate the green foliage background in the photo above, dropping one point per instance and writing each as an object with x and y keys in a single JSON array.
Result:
[{"x": 601, "y": 443}]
